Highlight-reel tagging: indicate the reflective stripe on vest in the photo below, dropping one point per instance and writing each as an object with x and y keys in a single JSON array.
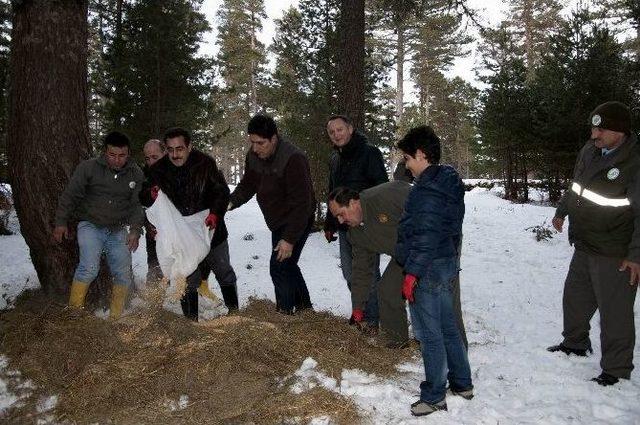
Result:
[{"x": 599, "y": 199}]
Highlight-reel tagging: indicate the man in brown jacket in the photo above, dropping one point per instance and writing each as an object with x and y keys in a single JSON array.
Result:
[{"x": 278, "y": 173}]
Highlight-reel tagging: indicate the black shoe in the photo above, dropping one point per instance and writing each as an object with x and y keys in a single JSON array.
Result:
[
  {"x": 189, "y": 304},
  {"x": 605, "y": 379},
  {"x": 285, "y": 311},
  {"x": 397, "y": 345},
  {"x": 567, "y": 350},
  {"x": 230, "y": 296},
  {"x": 304, "y": 306}
]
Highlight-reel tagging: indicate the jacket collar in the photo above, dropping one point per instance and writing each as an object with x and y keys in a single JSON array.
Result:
[
  {"x": 103, "y": 161},
  {"x": 357, "y": 140},
  {"x": 428, "y": 174}
]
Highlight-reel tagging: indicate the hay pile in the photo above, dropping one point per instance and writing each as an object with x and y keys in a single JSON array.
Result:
[{"x": 235, "y": 369}]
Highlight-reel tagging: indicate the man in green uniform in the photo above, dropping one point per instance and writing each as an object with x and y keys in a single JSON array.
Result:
[
  {"x": 604, "y": 227},
  {"x": 372, "y": 216}
]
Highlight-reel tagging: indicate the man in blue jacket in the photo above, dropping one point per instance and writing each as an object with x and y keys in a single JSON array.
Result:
[{"x": 429, "y": 235}]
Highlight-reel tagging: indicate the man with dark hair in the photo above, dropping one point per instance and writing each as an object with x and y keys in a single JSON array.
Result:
[
  {"x": 278, "y": 173},
  {"x": 102, "y": 196},
  {"x": 429, "y": 236},
  {"x": 193, "y": 183},
  {"x": 604, "y": 227},
  {"x": 153, "y": 150},
  {"x": 372, "y": 218},
  {"x": 357, "y": 165}
]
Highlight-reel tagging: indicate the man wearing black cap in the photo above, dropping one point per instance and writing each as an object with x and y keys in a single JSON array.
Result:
[{"x": 604, "y": 227}]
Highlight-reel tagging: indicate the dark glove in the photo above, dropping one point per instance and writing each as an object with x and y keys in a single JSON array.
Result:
[
  {"x": 211, "y": 221},
  {"x": 154, "y": 192},
  {"x": 408, "y": 285},
  {"x": 328, "y": 235}
]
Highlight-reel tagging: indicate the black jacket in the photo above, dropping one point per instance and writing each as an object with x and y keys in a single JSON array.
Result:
[
  {"x": 358, "y": 166},
  {"x": 197, "y": 185},
  {"x": 596, "y": 225}
]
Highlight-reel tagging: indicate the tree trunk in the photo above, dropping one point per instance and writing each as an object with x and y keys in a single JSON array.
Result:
[
  {"x": 48, "y": 126},
  {"x": 400, "y": 51},
  {"x": 254, "y": 83},
  {"x": 351, "y": 63}
]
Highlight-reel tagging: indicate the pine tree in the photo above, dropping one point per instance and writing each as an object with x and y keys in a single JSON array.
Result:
[
  {"x": 156, "y": 78},
  {"x": 48, "y": 132},
  {"x": 533, "y": 22},
  {"x": 304, "y": 82},
  {"x": 5, "y": 29},
  {"x": 240, "y": 63}
]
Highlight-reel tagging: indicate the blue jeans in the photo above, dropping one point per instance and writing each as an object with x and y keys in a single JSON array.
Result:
[
  {"x": 435, "y": 326},
  {"x": 93, "y": 241},
  {"x": 290, "y": 288},
  {"x": 371, "y": 312}
]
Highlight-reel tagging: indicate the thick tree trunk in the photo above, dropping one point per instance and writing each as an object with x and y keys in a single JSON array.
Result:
[
  {"x": 48, "y": 131},
  {"x": 351, "y": 62}
]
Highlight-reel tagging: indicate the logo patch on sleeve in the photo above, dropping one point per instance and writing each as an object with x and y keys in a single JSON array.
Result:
[{"x": 613, "y": 174}]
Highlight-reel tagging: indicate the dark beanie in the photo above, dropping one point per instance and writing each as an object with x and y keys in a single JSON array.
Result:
[{"x": 614, "y": 116}]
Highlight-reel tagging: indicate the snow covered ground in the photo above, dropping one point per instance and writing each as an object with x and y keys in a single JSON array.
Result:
[{"x": 511, "y": 294}]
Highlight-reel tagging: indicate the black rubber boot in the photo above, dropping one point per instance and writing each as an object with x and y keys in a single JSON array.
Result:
[
  {"x": 230, "y": 296},
  {"x": 189, "y": 303},
  {"x": 566, "y": 350},
  {"x": 605, "y": 379}
]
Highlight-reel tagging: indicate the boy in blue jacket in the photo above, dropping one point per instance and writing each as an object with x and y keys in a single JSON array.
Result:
[{"x": 429, "y": 235}]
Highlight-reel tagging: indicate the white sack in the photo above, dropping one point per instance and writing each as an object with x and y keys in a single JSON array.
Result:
[{"x": 181, "y": 242}]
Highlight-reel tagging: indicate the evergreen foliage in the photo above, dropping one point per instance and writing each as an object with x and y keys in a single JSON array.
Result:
[{"x": 154, "y": 79}]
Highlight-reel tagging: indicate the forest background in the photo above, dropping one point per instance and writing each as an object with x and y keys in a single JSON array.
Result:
[{"x": 72, "y": 71}]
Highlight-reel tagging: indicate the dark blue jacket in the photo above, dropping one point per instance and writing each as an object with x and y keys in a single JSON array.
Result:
[{"x": 431, "y": 224}]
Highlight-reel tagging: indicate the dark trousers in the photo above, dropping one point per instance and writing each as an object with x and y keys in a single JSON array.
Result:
[
  {"x": 218, "y": 262},
  {"x": 594, "y": 282},
  {"x": 393, "y": 313},
  {"x": 290, "y": 288},
  {"x": 154, "y": 274},
  {"x": 371, "y": 311}
]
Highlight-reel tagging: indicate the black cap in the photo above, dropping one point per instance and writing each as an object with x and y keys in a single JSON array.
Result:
[{"x": 614, "y": 116}]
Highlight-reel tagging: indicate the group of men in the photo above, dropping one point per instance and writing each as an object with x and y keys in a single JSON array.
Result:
[{"x": 419, "y": 225}]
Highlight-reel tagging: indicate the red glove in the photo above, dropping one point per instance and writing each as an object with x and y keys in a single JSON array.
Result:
[
  {"x": 154, "y": 192},
  {"x": 357, "y": 315},
  {"x": 408, "y": 285},
  {"x": 211, "y": 221},
  {"x": 328, "y": 235}
]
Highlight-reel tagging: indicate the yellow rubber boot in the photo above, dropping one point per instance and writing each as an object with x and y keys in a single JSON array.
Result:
[
  {"x": 78, "y": 293},
  {"x": 204, "y": 290},
  {"x": 118, "y": 297}
]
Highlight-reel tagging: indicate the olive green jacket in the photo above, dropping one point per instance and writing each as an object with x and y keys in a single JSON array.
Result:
[
  {"x": 382, "y": 207},
  {"x": 603, "y": 202},
  {"x": 103, "y": 196}
]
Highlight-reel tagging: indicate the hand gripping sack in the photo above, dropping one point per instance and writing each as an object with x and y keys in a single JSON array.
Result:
[{"x": 182, "y": 242}]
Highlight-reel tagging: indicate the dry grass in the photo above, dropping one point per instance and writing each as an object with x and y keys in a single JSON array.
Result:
[{"x": 234, "y": 369}]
